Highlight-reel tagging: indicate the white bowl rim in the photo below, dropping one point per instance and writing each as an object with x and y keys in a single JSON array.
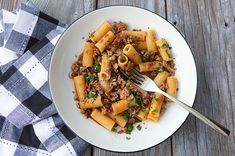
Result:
[{"x": 83, "y": 16}]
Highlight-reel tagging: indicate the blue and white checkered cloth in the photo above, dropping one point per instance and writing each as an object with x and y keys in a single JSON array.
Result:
[{"x": 29, "y": 123}]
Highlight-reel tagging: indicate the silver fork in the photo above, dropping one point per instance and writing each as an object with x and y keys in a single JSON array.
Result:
[{"x": 149, "y": 85}]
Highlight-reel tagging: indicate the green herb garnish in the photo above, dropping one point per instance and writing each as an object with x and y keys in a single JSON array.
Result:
[
  {"x": 114, "y": 130},
  {"x": 169, "y": 55},
  {"x": 129, "y": 129},
  {"x": 165, "y": 45},
  {"x": 128, "y": 138},
  {"x": 126, "y": 116},
  {"x": 132, "y": 99},
  {"x": 88, "y": 78},
  {"x": 91, "y": 95},
  {"x": 147, "y": 55},
  {"x": 155, "y": 110},
  {"x": 159, "y": 69},
  {"x": 138, "y": 102},
  {"x": 139, "y": 127},
  {"x": 155, "y": 99},
  {"x": 96, "y": 66},
  {"x": 145, "y": 110},
  {"x": 92, "y": 34}
]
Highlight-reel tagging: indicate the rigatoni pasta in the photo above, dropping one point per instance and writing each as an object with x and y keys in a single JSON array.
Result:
[
  {"x": 88, "y": 53},
  {"x": 102, "y": 91},
  {"x": 150, "y": 40},
  {"x": 100, "y": 32},
  {"x": 164, "y": 49},
  {"x": 105, "y": 41}
]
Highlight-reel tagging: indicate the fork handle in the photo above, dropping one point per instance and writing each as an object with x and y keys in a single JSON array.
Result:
[{"x": 213, "y": 124}]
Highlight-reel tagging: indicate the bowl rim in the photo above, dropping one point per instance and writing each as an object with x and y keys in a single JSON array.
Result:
[{"x": 52, "y": 56}]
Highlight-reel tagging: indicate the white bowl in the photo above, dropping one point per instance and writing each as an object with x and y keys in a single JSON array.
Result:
[{"x": 71, "y": 44}]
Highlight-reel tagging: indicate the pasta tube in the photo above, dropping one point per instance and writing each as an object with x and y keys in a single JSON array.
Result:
[
  {"x": 155, "y": 107},
  {"x": 139, "y": 35},
  {"x": 105, "y": 41},
  {"x": 149, "y": 66},
  {"x": 164, "y": 49},
  {"x": 161, "y": 78},
  {"x": 88, "y": 52},
  {"x": 122, "y": 61},
  {"x": 172, "y": 84},
  {"x": 105, "y": 71},
  {"x": 80, "y": 86},
  {"x": 91, "y": 103},
  {"x": 119, "y": 119},
  {"x": 100, "y": 31},
  {"x": 132, "y": 54},
  {"x": 105, "y": 84},
  {"x": 122, "y": 105},
  {"x": 150, "y": 40},
  {"x": 142, "y": 115},
  {"x": 119, "y": 106},
  {"x": 102, "y": 119},
  {"x": 141, "y": 45}
]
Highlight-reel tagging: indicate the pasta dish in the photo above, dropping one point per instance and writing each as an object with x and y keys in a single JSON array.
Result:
[{"x": 104, "y": 94}]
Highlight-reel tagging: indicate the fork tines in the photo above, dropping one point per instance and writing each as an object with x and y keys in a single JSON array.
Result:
[{"x": 135, "y": 76}]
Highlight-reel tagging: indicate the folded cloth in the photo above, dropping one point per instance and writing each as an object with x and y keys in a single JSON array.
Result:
[{"x": 29, "y": 122}]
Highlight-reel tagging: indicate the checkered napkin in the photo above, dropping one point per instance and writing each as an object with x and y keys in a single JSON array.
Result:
[{"x": 29, "y": 123}]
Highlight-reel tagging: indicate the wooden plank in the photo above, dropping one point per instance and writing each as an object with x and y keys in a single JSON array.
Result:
[
  {"x": 203, "y": 23},
  {"x": 158, "y": 7},
  {"x": 10, "y": 4},
  {"x": 66, "y": 11}
]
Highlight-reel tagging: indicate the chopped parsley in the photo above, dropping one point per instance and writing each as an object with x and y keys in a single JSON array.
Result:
[
  {"x": 138, "y": 102},
  {"x": 123, "y": 58},
  {"x": 159, "y": 69},
  {"x": 88, "y": 78},
  {"x": 128, "y": 138},
  {"x": 96, "y": 66},
  {"x": 155, "y": 99},
  {"x": 126, "y": 116},
  {"x": 137, "y": 97},
  {"x": 92, "y": 34},
  {"x": 139, "y": 127},
  {"x": 145, "y": 110},
  {"x": 165, "y": 45},
  {"x": 132, "y": 99},
  {"x": 114, "y": 130},
  {"x": 91, "y": 95},
  {"x": 129, "y": 129},
  {"x": 169, "y": 55},
  {"x": 147, "y": 55},
  {"x": 155, "y": 110}
]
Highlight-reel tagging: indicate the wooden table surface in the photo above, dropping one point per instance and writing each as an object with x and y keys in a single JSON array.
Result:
[{"x": 209, "y": 28}]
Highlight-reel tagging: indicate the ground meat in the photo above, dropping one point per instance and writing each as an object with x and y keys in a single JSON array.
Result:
[
  {"x": 152, "y": 75},
  {"x": 131, "y": 120},
  {"x": 86, "y": 112},
  {"x": 124, "y": 93},
  {"x": 97, "y": 87},
  {"x": 119, "y": 27},
  {"x": 164, "y": 87},
  {"x": 114, "y": 96},
  {"x": 147, "y": 99},
  {"x": 168, "y": 67}
]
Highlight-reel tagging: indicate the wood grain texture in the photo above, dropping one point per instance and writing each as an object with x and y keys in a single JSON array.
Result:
[
  {"x": 203, "y": 23},
  {"x": 209, "y": 29}
]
